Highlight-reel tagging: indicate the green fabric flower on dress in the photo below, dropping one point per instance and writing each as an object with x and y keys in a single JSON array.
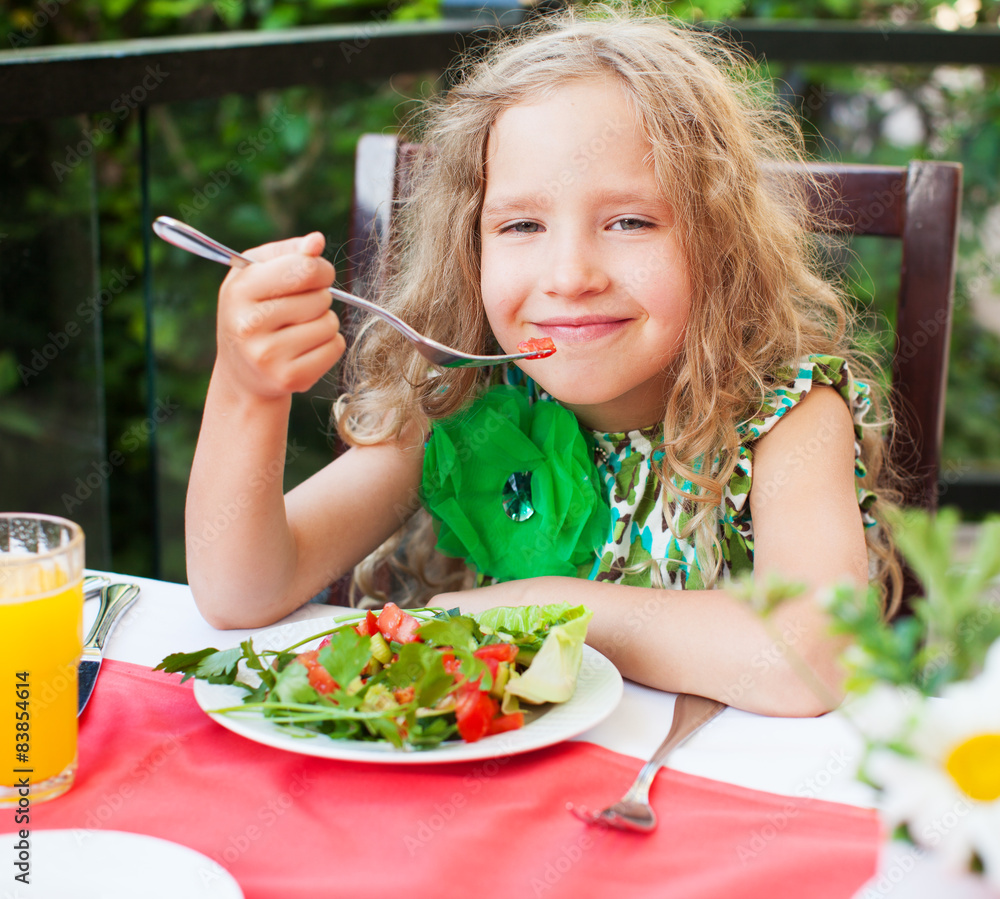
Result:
[{"x": 513, "y": 488}]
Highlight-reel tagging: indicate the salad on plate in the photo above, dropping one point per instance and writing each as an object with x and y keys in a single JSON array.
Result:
[{"x": 412, "y": 680}]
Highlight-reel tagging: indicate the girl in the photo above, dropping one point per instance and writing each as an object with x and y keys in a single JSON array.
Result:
[{"x": 609, "y": 184}]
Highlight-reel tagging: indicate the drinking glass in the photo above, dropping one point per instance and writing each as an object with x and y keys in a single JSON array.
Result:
[{"x": 41, "y": 638}]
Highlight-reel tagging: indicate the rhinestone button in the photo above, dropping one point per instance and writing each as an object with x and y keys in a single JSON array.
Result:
[{"x": 516, "y": 496}]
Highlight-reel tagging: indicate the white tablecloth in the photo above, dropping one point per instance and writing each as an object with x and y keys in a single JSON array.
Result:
[{"x": 812, "y": 757}]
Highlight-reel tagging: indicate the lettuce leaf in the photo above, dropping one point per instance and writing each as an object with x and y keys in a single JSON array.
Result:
[
  {"x": 529, "y": 619},
  {"x": 551, "y": 677}
]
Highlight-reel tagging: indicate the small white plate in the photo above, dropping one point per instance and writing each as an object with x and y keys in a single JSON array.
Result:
[
  {"x": 599, "y": 688},
  {"x": 112, "y": 864}
]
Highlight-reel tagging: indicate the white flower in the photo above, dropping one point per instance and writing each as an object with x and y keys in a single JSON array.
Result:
[
  {"x": 886, "y": 713},
  {"x": 948, "y": 791}
]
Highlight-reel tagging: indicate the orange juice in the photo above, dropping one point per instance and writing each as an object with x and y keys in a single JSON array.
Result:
[
  {"x": 43, "y": 639},
  {"x": 41, "y": 625}
]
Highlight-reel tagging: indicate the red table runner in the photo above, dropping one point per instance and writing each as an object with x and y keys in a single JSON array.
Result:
[{"x": 289, "y": 826}]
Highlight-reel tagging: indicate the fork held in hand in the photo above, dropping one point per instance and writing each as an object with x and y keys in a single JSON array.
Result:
[
  {"x": 633, "y": 811},
  {"x": 191, "y": 239}
]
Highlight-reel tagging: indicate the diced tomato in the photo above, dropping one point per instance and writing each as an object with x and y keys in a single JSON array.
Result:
[
  {"x": 404, "y": 694},
  {"x": 324, "y": 643},
  {"x": 451, "y": 664},
  {"x": 474, "y": 712},
  {"x": 368, "y": 625},
  {"x": 502, "y": 652},
  {"x": 319, "y": 678},
  {"x": 539, "y": 346},
  {"x": 495, "y": 653},
  {"x": 503, "y": 723},
  {"x": 395, "y": 624},
  {"x": 407, "y": 630},
  {"x": 388, "y": 620}
]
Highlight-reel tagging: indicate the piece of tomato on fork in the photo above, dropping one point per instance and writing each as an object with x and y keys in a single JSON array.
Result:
[{"x": 539, "y": 347}]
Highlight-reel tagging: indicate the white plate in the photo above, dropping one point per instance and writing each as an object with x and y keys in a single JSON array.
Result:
[
  {"x": 598, "y": 690},
  {"x": 112, "y": 864}
]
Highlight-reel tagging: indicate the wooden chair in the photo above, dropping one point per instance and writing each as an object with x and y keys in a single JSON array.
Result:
[{"x": 917, "y": 204}]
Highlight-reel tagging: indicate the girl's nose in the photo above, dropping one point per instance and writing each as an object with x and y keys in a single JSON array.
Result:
[{"x": 574, "y": 269}]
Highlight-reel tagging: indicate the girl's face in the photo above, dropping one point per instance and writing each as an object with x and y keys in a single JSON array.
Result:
[{"x": 577, "y": 245}]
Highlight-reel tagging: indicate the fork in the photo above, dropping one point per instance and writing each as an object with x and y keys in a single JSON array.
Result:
[
  {"x": 92, "y": 585},
  {"x": 191, "y": 239},
  {"x": 633, "y": 811}
]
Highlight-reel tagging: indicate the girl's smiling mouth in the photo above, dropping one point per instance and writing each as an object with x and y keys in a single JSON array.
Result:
[{"x": 580, "y": 329}]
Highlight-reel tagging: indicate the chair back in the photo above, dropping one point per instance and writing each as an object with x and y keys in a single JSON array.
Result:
[{"x": 918, "y": 205}]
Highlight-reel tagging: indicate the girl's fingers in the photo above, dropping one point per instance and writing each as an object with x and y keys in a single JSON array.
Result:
[
  {"x": 294, "y": 358},
  {"x": 309, "y": 245},
  {"x": 275, "y": 314},
  {"x": 281, "y": 276},
  {"x": 297, "y": 340},
  {"x": 276, "y": 331},
  {"x": 305, "y": 370}
]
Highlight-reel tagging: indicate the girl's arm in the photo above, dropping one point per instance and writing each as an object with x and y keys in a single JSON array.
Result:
[
  {"x": 254, "y": 554},
  {"x": 807, "y": 528}
]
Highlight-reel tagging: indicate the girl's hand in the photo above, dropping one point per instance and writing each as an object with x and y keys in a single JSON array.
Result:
[{"x": 276, "y": 332}]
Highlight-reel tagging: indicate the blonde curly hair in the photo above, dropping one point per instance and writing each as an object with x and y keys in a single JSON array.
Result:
[{"x": 719, "y": 141}]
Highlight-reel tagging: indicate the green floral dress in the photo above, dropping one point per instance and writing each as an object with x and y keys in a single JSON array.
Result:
[{"x": 518, "y": 489}]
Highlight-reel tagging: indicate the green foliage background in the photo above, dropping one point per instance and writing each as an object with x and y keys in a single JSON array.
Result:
[{"x": 248, "y": 169}]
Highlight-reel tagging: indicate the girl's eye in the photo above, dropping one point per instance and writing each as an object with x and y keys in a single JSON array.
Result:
[
  {"x": 521, "y": 228},
  {"x": 630, "y": 224}
]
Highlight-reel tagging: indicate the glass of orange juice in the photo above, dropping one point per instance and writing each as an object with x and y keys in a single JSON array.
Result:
[{"x": 41, "y": 638}]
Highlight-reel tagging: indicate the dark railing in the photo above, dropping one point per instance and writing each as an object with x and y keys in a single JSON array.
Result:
[
  {"x": 61, "y": 81},
  {"x": 52, "y": 83}
]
